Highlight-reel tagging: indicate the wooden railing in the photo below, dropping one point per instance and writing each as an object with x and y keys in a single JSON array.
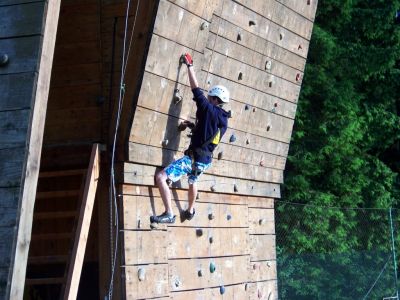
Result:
[{"x": 82, "y": 230}]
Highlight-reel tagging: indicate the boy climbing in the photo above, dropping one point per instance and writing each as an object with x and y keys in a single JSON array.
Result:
[{"x": 211, "y": 124}]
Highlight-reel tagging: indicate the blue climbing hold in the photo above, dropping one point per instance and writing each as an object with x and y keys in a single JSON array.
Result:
[
  {"x": 212, "y": 267},
  {"x": 232, "y": 138},
  {"x": 222, "y": 290}
]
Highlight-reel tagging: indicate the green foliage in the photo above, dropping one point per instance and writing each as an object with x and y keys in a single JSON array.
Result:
[{"x": 345, "y": 147}]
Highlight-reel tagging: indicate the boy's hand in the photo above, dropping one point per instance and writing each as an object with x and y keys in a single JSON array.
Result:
[
  {"x": 185, "y": 124},
  {"x": 188, "y": 59}
]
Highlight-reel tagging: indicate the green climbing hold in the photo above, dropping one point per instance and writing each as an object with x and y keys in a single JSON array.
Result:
[{"x": 212, "y": 267}]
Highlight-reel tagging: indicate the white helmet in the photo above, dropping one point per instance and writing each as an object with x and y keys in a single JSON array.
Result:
[{"x": 221, "y": 92}]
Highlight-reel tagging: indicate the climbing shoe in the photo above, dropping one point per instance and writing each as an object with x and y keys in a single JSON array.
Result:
[
  {"x": 163, "y": 218},
  {"x": 188, "y": 215}
]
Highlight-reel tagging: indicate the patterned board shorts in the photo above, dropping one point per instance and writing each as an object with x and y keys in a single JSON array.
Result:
[{"x": 183, "y": 166}]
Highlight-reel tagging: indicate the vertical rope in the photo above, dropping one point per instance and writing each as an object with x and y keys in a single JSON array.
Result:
[{"x": 393, "y": 252}]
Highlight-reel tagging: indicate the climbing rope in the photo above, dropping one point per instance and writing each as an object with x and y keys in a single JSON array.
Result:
[{"x": 113, "y": 192}]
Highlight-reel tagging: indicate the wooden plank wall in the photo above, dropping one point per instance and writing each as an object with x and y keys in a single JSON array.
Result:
[
  {"x": 258, "y": 50},
  {"x": 27, "y": 36}
]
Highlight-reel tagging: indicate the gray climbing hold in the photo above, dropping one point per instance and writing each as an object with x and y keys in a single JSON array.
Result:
[
  {"x": 199, "y": 232},
  {"x": 222, "y": 290},
  {"x": 247, "y": 141},
  {"x": 239, "y": 37},
  {"x": 177, "y": 282},
  {"x": 211, "y": 240},
  {"x": 141, "y": 274},
  {"x": 139, "y": 224},
  {"x": 240, "y": 77},
  {"x": 262, "y": 221},
  {"x": 165, "y": 143},
  {"x": 235, "y": 188},
  {"x": 252, "y": 23},
  {"x": 220, "y": 155},
  {"x": 228, "y": 217},
  {"x": 204, "y": 25},
  {"x": 4, "y": 60},
  {"x": 268, "y": 65},
  {"x": 211, "y": 216},
  {"x": 232, "y": 138},
  {"x": 245, "y": 287},
  {"x": 213, "y": 188},
  {"x": 246, "y": 107},
  {"x": 268, "y": 127},
  {"x": 177, "y": 96},
  {"x": 254, "y": 109},
  {"x": 198, "y": 196},
  {"x": 199, "y": 273},
  {"x": 212, "y": 267}
]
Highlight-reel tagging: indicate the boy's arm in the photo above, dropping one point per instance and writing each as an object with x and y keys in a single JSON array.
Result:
[{"x": 192, "y": 76}]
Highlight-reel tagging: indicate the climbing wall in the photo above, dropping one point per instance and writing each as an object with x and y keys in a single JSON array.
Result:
[{"x": 258, "y": 50}]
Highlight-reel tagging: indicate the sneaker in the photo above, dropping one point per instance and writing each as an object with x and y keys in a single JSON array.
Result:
[
  {"x": 163, "y": 218},
  {"x": 188, "y": 215}
]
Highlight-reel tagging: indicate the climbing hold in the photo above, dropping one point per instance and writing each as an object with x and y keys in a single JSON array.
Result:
[
  {"x": 177, "y": 282},
  {"x": 198, "y": 196},
  {"x": 246, "y": 107},
  {"x": 270, "y": 84},
  {"x": 141, "y": 274},
  {"x": 177, "y": 96},
  {"x": 252, "y": 23},
  {"x": 268, "y": 65},
  {"x": 281, "y": 36},
  {"x": 212, "y": 267},
  {"x": 4, "y": 60},
  {"x": 297, "y": 76},
  {"x": 268, "y": 264},
  {"x": 240, "y": 77},
  {"x": 204, "y": 25},
  {"x": 254, "y": 267},
  {"x": 232, "y": 138},
  {"x": 235, "y": 188},
  {"x": 213, "y": 188},
  {"x": 220, "y": 155},
  {"x": 211, "y": 216},
  {"x": 254, "y": 109},
  {"x": 199, "y": 232},
  {"x": 268, "y": 127},
  {"x": 239, "y": 37},
  {"x": 222, "y": 290},
  {"x": 139, "y": 224},
  {"x": 259, "y": 294},
  {"x": 299, "y": 47},
  {"x": 262, "y": 221},
  {"x": 308, "y": 2},
  {"x": 182, "y": 59},
  {"x": 199, "y": 273},
  {"x": 165, "y": 142},
  {"x": 245, "y": 287},
  {"x": 211, "y": 240},
  {"x": 247, "y": 141},
  {"x": 262, "y": 163},
  {"x": 228, "y": 217},
  {"x": 276, "y": 104}
]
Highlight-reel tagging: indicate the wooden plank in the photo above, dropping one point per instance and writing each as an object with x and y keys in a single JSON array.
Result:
[
  {"x": 77, "y": 53},
  {"x": 8, "y": 216},
  {"x": 155, "y": 156},
  {"x": 13, "y": 128},
  {"x": 22, "y": 20},
  {"x": 207, "y": 197},
  {"x": 84, "y": 96},
  {"x": 16, "y": 90},
  {"x": 234, "y": 292},
  {"x": 144, "y": 175},
  {"x": 11, "y": 166},
  {"x": 261, "y": 221},
  {"x": 73, "y": 75},
  {"x": 258, "y": 202},
  {"x": 265, "y": 290},
  {"x": 23, "y": 54},
  {"x": 184, "y": 273},
  {"x": 6, "y": 248},
  {"x": 207, "y": 242},
  {"x": 302, "y": 8},
  {"x": 82, "y": 231},
  {"x": 140, "y": 247},
  {"x": 201, "y": 8},
  {"x": 262, "y": 247},
  {"x": 138, "y": 209},
  {"x": 34, "y": 143},
  {"x": 263, "y": 270},
  {"x": 155, "y": 283},
  {"x": 9, "y": 197}
]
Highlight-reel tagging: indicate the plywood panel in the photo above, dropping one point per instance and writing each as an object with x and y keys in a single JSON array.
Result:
[
  {"x": 143, "y": 247},
  {"x": 13, "y": 128},
  {"x": 263, "y": 270},
  {"x": 11, "y": 166},
  {"x": 207, "y": 242},
  {"x": 138, "y": 209},
  {"x": 232, "y": 292},
  {"x": 184, "y": 273},
  {"x": 16, "y": 90},
  {"x": 265, "y": 290},
  {"x": 262, "y": 247},
  {"x": 144, "y": 175},
  {"x": 261, "y": 221},
  {"x": 21, "y": 20},
  {"x": 139, "y": 153},
  {"x": 155, "y": 283}
]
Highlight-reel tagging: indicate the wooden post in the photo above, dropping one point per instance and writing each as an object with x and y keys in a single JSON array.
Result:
[
  {"x": 33, "y": 150},
  {"x": 82, "y": 232}
]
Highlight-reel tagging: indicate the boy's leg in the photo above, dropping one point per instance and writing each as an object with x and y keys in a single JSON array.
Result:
[
  {"x": 192, "y": 196},
  {"x": 161, "y": 179}
]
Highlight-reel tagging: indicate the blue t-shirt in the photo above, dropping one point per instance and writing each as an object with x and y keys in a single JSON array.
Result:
[{"x": 210, "y": 118}]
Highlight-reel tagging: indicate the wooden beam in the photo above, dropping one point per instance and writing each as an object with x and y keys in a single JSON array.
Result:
[
  {"x": 33, "y": 151},
  {"x": 82, "y": 232}
]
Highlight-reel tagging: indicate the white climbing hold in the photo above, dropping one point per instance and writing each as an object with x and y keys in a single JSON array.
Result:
[{"x": 141, "y": 274}]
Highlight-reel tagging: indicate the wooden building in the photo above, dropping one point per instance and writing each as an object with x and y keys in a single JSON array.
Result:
[{"x": 61, "y": 101}]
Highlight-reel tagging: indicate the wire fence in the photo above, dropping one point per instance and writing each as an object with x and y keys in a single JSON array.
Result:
[{"x": 335, "y": 253}]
